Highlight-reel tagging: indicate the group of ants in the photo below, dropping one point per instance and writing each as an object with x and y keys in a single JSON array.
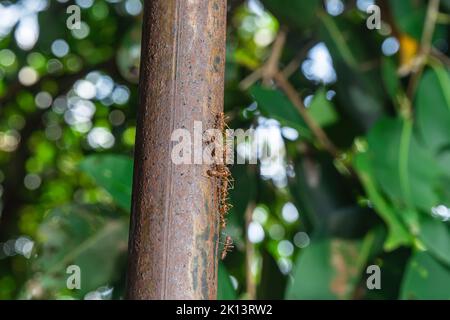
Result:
[{"x": 222, "y": 173}]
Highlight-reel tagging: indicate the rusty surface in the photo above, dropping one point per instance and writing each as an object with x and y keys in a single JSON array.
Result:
[{"x": 174, "y": 224}]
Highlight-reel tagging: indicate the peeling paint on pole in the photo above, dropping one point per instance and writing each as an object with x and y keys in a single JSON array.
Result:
[{"x": 174, "y": 224}]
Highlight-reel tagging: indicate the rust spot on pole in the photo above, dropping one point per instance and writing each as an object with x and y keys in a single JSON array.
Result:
[{"x": 174, "y": 224}]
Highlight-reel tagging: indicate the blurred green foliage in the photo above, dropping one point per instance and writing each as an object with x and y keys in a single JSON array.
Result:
[{"x": 307, "y": 224}]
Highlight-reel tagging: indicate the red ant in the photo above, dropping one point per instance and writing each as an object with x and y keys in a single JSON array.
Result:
[{"x": 227, "y": 247}]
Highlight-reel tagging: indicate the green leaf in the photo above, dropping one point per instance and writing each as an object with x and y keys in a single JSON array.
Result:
[
  {"x": 397, "y": 233},
  {"x": 321, "y": 194},
  {"x": 114, "y": 173},
  {"x": 276, "y": 105},
  {"x": 360, "y": 91},
  {"x": 288, "y": 10},
  {"x": 322, "y": 110},
  {"x": 410, "y": 16},
  {"x": 433, "y": 108},
  {"x": 402, "y": 166},
  {"x": 390, "y": 77},
  {"x": 333, "y": 29},
  {"x": 87, "y": 236},
  {"x": 313, "y": 274},
  {"x": 328, "y": 269},
  {"x": 225, "y": 290},
  {"x": 425, "y": 279},
  {"x": 436, "y": 237}
]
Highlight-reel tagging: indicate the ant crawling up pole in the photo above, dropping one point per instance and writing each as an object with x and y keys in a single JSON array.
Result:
[{"x": 222, "y": 173}]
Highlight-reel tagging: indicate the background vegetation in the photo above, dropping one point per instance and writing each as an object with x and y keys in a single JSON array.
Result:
[{"x": 358, "y": 119}]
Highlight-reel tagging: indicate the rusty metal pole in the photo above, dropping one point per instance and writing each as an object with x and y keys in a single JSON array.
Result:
[{"x": 174, "y": 225}]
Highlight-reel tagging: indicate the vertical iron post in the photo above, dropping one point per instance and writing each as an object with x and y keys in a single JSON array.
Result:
[{"x": 174, "y": 230}]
